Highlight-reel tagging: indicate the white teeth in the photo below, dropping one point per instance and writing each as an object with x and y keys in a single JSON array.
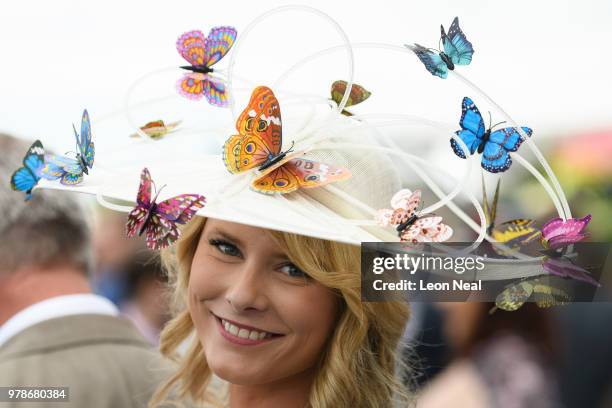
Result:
[{"x": 243, "y": 333}]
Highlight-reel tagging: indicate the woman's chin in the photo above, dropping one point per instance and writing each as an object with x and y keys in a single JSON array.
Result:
[{"x": 235, "y": 372}]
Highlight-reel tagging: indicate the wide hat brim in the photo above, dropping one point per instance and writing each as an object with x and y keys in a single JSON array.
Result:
[{"x": 228, "y": 197}]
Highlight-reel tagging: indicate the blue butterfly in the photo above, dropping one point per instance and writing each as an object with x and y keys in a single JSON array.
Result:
[
  {"x": 26, "y": 177},
  {"x": 457, "y": 51},
  {"x": 494, "y": 146},
  {"x": 68, "y": 170}
]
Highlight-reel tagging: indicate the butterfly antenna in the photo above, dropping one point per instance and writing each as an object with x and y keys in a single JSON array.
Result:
[
  {"x": 76, "y": 136},
  {"x": 498, "y": 124},
  {"x": 290, "y": 149},
  {"x": 157, "y": 192},
  {"x": 439, "y": 45}
]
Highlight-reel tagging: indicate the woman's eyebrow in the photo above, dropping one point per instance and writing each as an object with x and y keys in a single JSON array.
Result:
[{"x": 232, "y": 239}]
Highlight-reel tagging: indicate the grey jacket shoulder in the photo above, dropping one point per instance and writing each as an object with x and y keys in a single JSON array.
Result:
[{"x": 103, "y": 360}]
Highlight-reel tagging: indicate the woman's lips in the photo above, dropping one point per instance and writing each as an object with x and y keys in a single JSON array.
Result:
[{"x": 241, "y": 334}]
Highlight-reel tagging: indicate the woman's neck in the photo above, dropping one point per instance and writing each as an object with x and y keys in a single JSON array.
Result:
[{"x": 291, "y": 392}]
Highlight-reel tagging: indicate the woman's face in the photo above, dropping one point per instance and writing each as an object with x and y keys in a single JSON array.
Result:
[{"x": 259, "y": 318}]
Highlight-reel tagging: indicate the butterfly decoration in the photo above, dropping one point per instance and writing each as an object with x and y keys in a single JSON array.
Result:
[
  {"x": 357, "y": 95},
  {"x": 258, "y": 146},
  {"x": 457, "y": 51},
  {"x": 514, "y": 233},
  {"x": 159, "y": 220},
  {"x": 202, "y": 53},
  {"x": 157, "y": 129},
  {"x": 558, "y": 233},
  {"x": 410, "y": 226},
  {"x": 68, "y": 170},
  {"x": 544, "y": 291},
  {"x": 494, "y": 145},
  {"x": 26, "y": 177}
]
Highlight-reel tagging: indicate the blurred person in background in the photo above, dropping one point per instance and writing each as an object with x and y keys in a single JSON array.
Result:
[
  {"x": 503, "y": 360},
  {"x": 113, "y": 253},
  {"x": 146, "y": 306},
  {"x": 53, "y": 330}
]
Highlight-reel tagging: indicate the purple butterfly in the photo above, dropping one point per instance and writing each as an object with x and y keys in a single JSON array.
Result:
[
  {"x": 160, "y": 220},
  {"x": 558, "y": 233}
]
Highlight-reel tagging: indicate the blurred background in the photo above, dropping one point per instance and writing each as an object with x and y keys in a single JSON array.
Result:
[{"x": 544, "y": 62}]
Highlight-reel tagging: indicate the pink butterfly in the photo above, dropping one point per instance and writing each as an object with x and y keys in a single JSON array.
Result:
[
  {"x": 202, "y": 53},
  {"x": 558, "y": 233},
  {"x": 410, "y": 226},
  {"x": 160, "y": 220}
]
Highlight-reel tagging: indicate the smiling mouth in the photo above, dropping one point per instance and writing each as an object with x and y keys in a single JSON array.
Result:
[{"x": 242, "y": 334}]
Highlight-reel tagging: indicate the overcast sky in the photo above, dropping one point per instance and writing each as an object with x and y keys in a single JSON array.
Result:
[{"x": 546, "y": 62}]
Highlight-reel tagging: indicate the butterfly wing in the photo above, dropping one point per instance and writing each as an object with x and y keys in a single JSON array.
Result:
[
  {"x": 26, "y": 177},
  {"x": 215, "y": 92},
  {"x": 472, "y": 128},
  {"x": 192, "y": 45},
  {"x": 68, "y": 170},
  {"x": 195, "y": 53},
  {"x": 509, "y": 138},
  {"x": 495, "y": 158},
  {"x": 182, "y": 208},
  {"x": 219, "y": 42},
  {"x": 298, "y": 173},
  {"x": 456, "y": 45},
  {"x": 86, "y": 145},
  {"x": 514, "y": 296},
  {"x": 516, "y": 233},
  {"x": 357, "y": 95},
  {"x": 558, "y": 233},
  {"x": 162, "y": 230},
  {"x": 260, "y": 133},
  {"x": 192, "y": 85},
  {"x": 160, "y": 233},
  {"x": 136, "y": 218},
  {"x": 427, "y": 229},
  {"x": 432, "y": 60},
  {"x": 547, "y": 293}
]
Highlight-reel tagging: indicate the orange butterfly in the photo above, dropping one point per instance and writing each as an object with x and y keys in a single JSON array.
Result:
[{"x": 258, "y": 145}]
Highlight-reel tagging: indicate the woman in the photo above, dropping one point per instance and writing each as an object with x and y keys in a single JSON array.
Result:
[{"x": 279, "y": 318}]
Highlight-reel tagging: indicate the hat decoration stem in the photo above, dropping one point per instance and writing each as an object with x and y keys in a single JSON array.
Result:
[
  {"x": 557, "y": 196},
  {"x": 237, "y": 45},
  {"x": 515, "y": 155}
]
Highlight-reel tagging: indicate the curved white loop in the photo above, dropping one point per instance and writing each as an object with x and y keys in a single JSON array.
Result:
[{"x": 282, "y": 9}]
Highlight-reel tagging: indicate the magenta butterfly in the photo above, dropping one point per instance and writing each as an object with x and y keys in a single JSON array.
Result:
[
  {"x": 412, "y": 227},
  {"x": 202, "y": 53},
  {"x": 558, "y": 233},
  {"x": 160, "y": 220}
]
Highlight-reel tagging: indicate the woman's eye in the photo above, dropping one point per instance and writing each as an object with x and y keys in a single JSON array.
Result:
[
  {"x": 293, "y": 271},
  {"x": 225, "y": 247}
]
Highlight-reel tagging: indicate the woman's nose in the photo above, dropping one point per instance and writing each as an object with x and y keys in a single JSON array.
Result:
[{"x": 246, "y": 290}]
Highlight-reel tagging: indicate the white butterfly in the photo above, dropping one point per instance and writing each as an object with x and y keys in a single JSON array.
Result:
[{"x": 411, "y": 226}]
